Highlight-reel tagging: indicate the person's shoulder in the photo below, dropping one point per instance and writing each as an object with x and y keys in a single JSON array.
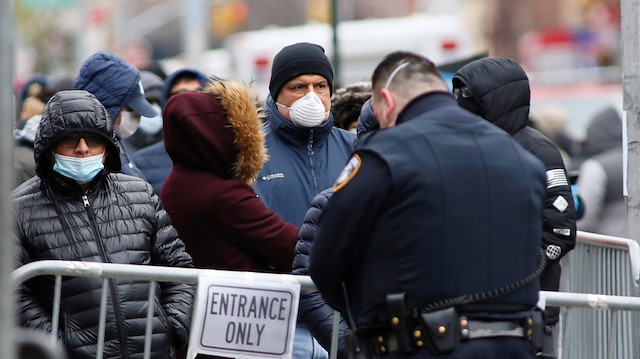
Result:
[
  {"x": 540, "y": 146},
  {"x": 27, "y": 189},
  {"x": 151, "y": 150},
  {"x": 344, "y": 137},
  {"x": 343, "y": 133},
  {"x": 128, "y": 183}
]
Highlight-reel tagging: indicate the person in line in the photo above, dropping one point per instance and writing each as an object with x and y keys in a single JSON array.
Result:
[
  {"x": 182, "y": 80},
  {"x": 346, "y": 103},
  {"x": 28, "y": 103},
  {"x": 411, "y": 246},
  {"x": 306, "y": 151},
  {"x": 150, "y": 128},
  {"x": 153, "y": 160},
  {"x": 79, "y": 208},
  {"x": 600, "y": 180},
  {"x": 313, "y": 311},
  {"x": 216, "y": 142},
  {"x": 497, "y": 89},
  {"x": 116, "y": 84}
]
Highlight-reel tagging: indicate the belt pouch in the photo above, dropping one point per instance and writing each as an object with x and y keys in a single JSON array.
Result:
[
  {"x": 399, "y": 317},
  {"x": 442, "y": 329}
]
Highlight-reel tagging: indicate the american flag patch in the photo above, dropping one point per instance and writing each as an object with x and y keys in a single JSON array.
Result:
[{"x": 556, "y": 178}]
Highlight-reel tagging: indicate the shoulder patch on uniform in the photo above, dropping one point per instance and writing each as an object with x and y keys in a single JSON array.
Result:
[
  {"x": 556, "y": 177},
  {"x": 348, "y": 172}
]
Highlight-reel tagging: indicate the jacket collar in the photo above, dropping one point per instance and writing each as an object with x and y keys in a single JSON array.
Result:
[
  {"x": 425, "y": 102},
  {"x": 291, "y": 132}
]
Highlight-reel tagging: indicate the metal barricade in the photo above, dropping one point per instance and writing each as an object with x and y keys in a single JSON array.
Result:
[
  {"x": 599, "y": 294},
  {"x": 600, "y": 265},
  {"x": 106, "y": 271}
]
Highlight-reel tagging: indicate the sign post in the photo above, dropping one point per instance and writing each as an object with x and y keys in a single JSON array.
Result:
[
  {"x": 7, "y": 312},
  {"x": 631, "y": 102}
]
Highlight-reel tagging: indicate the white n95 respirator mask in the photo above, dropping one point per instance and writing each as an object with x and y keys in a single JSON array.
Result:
[{"x": 307, "y": 111}]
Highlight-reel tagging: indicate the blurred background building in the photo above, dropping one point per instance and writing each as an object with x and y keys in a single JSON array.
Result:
[{"x": 55, "y": 36}]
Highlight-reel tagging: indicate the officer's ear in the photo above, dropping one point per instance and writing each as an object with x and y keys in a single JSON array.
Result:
[{"x": 389, "y": 109}]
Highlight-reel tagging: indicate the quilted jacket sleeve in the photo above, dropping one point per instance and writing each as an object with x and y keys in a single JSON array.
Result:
[
  {"x": 31, "y": 311},
  {"x": 169, "y": 250},
  {"x": 313, "y": 311}
]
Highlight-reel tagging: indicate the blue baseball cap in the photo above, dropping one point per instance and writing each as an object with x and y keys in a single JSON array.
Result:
[{"x": 115, "y": 83}]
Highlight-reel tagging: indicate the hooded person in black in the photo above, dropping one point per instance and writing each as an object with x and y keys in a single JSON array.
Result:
[
  {"x": 497, "y": 89},
  {"x": 79, "y": 208}
]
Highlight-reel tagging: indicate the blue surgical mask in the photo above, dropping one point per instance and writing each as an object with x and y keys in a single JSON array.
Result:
[
  {"x": 82, "y": 170},
  {"x": 151, "y": 125}
]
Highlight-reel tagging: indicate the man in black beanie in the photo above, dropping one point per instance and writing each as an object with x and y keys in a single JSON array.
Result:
[{"x": 307, "y": 153}]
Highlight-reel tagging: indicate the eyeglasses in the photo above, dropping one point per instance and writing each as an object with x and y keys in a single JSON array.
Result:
[
  {"x": 462, "y": 91},
  {"x": 72, "y": 140}
]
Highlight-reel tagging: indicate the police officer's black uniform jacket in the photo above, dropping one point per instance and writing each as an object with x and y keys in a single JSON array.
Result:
[
  {"x": 441, "y": 205},
  {"x": 119, "y": 220},
  {"x": 500, "y": 94}
]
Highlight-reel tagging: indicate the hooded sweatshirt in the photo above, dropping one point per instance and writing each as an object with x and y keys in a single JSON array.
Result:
[
  {"x": 216, "y": 143},
  {"x": 501, "y": 95}
]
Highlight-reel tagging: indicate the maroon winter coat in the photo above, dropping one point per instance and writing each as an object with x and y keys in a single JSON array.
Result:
[{"x": 216, "y": 143}]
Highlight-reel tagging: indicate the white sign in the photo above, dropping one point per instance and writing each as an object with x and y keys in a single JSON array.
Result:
[{"x": 243, "y": 317}]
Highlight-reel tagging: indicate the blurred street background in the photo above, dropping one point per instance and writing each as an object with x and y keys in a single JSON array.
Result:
[{"x": 559, "y": 42}]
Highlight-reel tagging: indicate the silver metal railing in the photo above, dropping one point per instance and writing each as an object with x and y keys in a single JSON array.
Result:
[
  {"x": 598, "y": 320},
  {"x": 106, "y": 271},
  {"x": 602, "y": 266}
]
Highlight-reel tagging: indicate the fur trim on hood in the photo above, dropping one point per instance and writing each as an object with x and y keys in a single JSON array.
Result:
[
  {"x": 247, "y": 128},
  {"x": 217, "y": 131}
]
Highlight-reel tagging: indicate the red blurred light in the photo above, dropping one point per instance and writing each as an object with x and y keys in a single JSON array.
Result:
[{"x": 449, "y": 45}]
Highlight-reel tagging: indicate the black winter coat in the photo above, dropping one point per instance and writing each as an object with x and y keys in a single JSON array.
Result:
[
  {"x": 313, "y": 311},
  {"x": 118, "y": 220},
  {"x": 501, "y": 94}
]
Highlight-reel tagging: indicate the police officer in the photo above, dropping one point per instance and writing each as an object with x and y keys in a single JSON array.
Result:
[
  {"x": 430, "y": 242},
  {"x": 497, "y": 88}
]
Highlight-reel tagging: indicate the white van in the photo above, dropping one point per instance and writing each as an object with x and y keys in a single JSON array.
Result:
[{"x": 363, "y": 43}]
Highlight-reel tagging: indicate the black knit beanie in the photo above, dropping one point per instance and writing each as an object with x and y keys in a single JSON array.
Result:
[{"x": 298, "y": 59}]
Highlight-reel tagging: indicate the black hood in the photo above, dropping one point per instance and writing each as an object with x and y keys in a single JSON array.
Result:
[
  {"x": 500, "y": 92},
  {"x": 73, "y": 111}
]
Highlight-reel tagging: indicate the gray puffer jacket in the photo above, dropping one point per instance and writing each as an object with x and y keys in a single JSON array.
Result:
[{"x": 118, "y": 220}]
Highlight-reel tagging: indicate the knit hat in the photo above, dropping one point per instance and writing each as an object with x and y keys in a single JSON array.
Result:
[
  {"x": 116, "y": 84},
  {"x": 298, "y": 59}
]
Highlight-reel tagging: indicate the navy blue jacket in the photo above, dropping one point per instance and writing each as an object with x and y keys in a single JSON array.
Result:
[
  {"x": 155, "y": 164},
  {"x": 303, "y": 161},
  {"x": 313, "y": 311},
  {"x": 432, "y": 208}
]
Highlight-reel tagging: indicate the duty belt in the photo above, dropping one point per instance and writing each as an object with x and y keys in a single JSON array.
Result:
[{"x": 441, "y": 331}]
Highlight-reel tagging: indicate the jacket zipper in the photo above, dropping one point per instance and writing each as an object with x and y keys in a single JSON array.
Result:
[
  {"x": 112, "y": 282},
  {"x": 311, "y": 153}
]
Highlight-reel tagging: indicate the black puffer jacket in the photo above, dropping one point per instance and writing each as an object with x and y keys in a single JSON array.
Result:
[
  {"x": 313, "y": 311},
  {"x": 118, "y": 220},
  {"x": 500, "y": 94}
]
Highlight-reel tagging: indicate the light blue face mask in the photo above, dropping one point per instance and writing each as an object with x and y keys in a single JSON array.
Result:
[
  {"x": 82, "y": 170},
  {"x": 151, "y": 125}
]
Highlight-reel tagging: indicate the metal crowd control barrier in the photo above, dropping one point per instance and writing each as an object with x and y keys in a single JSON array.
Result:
[
  {"x": 603, "y": 269},
  {"x": 599, "y": 265},
  {"x": 107, "y": 271}
]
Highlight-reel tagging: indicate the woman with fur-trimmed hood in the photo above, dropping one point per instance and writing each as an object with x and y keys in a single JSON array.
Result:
[{"x": 216, "y": 143}]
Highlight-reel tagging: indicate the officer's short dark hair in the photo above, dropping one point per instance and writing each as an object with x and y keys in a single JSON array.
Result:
[{"x": 419, "y": 69}]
